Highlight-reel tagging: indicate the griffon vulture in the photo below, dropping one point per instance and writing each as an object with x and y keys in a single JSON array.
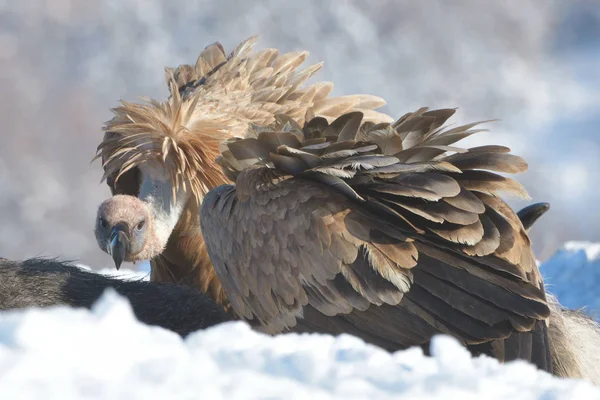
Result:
[
  {"x": 39, "y": 282},
  {"x": 340, "y": 219},
  {"x": 163, "y": 153}
]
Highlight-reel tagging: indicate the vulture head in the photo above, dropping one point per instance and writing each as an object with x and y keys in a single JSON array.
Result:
[
  {"x": 159, "y": 157},
  {"x": 126, "y": 229}
]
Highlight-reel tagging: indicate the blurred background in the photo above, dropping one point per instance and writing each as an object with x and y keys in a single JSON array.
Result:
[{"x": 65, "y": 63}]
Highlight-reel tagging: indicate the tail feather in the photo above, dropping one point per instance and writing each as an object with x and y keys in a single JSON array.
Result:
[{"x": 540, "y": 349}]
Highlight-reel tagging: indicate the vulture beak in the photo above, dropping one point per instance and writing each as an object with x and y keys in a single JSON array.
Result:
[
  {"x": 118, "y": 244},
  {"x": 530, "y": 214}
]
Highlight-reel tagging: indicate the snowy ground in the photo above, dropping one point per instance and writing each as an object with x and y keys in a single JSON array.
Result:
[
  {"x": 106, "y": 354},
  {"x": 64, "y": 354},
  {"x": 142, "y": 272}
]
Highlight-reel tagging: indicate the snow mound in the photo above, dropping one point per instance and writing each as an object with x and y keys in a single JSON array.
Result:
[
  {"x": 143, "y": 271},
  {"x": 124, "y": 273},
  {"x": 573, "y": 275},
  {"x": 63, "y": 353}
]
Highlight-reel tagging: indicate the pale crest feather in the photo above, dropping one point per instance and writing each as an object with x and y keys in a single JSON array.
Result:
[{"x": 215, "y": 99}]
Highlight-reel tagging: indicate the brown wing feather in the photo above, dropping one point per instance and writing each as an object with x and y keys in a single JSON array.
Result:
[{"x": 373, "y": 233}]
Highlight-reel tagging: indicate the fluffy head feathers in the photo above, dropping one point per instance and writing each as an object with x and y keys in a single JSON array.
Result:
[
  {"x": 126, "y": 218},
  {"x": 213, "y": 100}
]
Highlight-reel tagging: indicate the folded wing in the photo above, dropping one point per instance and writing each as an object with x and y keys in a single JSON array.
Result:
[{"x": 385, "y": 231}]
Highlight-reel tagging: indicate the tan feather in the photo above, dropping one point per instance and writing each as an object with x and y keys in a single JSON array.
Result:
[
  {"x": 467, "y": 234},
  {"x": 213, "y": 100}
]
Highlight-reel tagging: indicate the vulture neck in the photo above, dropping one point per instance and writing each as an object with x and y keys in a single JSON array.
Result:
[
  {"x": 157, "y": 192},
  {"x": 185, "y": 260}
]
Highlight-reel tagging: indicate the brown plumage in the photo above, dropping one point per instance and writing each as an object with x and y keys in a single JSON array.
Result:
[
  {"x": 340, "y": 220},
  {"x": 172, "y": 145},
  {"x": 385, "y": 231},
  {"x": 213, "y": 100}
]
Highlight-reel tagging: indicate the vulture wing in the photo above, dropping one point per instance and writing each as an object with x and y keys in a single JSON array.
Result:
[{"x": 384, "y": 231}]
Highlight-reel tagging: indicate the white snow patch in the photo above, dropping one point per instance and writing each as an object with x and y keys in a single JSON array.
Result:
[
  {"x": 592, "y": 250},
  {"x": 63, "y": 353},
  {"x": 125, "y": 273},
  {"x": 143, "y": 271}
]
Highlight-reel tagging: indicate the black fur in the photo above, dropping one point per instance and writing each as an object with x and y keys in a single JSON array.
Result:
[{"x": 41, "y": 282}]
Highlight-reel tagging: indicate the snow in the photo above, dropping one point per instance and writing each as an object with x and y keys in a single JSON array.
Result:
[
  {"x": 125, "y": 273},
  {"x": 142, "y": 272},
  {"x": 573, "y": 274},
  {"x": 592, "y": 250},
  {"x": 105, "y": 353},
  {"x": 62, "y": 353}
]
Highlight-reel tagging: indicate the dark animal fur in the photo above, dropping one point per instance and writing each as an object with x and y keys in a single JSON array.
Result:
[{"x": 41, "y": 282}]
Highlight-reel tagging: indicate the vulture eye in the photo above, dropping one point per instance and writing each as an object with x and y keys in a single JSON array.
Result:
[
  {"x": 140, "y": 226},
  {"x": 102, "y": 222}
]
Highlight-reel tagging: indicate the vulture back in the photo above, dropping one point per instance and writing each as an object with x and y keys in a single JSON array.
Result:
[{"x": 383, "y": 230}]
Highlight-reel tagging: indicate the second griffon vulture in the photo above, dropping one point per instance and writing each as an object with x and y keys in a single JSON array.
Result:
[{"x": 340, "y": 220}]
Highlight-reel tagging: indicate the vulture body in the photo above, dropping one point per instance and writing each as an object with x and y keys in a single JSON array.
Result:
[
  {"x": 375, "y": 230},
  {"x": 39, "y": 282},
  {"x": 339, "y": 219}
]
